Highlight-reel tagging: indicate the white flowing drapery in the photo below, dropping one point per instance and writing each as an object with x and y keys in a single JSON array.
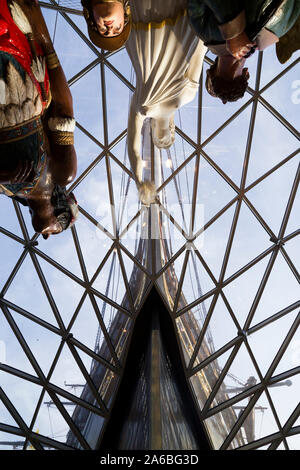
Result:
[{"x": 167, "y": 58}]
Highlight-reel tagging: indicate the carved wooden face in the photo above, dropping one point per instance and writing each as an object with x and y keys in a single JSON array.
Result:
[
  {"x": 109, "y": 18},
  {"x": 45, "y": 222}
]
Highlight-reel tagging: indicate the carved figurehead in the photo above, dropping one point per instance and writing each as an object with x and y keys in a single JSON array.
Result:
[
  {"x": 235, "y": 30},
  {"x": 108, "y": 22},
  {"x": 37, "y": 125}
]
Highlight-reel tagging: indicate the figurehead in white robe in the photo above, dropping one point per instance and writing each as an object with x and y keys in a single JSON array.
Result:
[{"x": 167, "y": 58}]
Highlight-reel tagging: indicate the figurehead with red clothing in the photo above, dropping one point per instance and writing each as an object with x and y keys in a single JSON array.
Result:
[{"x": 37, "y": 155}]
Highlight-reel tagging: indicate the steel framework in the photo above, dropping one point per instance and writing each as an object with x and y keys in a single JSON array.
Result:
[{"x": 116, "y": 260}]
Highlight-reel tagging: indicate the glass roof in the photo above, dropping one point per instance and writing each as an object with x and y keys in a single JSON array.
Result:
[{"x": 225, "y": 260}]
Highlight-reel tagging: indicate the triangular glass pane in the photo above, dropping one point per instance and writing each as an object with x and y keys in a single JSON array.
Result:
[
  {"x": 130, "y": 238},
  {"x": 12, "y": 353},
  {"x": 293, "y": 442},
  {"x": 50, "y": 422},
  {"x": 88, "y": 106},
  {"x": 270, "y": 197},
  {"x": 10, "y": 253},
  {"x": 9, "y": 219},
  {"x": 167, "y": 283},
  {"x": 229, "y": 152},
  {"x": 281, "y": 290},
  {"x": 293, "y": 222},
  {"x": 67, "y": 371},
  {"x": 266, "y": 342},
  {"x": 212, "y": 192},
  {"x": 291, "y": 357},
  {"x": 271, "y": 66},
  {"x": 136, "y": 279},
  {"x": 187, "y": 119},
  {"x": 94, "y": 244},
  {"x": 116, "y": 108},
  {"x": 86, "y": 325},
  {"x": 285, "y": 397},
  {"x": 221, "y": 328},
  {"x": 196, "y": 281},
  {"x": 164, "y": 290},
  {"x": 262, "y": 419},
  {"x": 241, "y": 376},
  {"x": 297, "y": 422},
  {"x": 170, "y": 231},
  {"x": 63, "y": 252},
  {"x": 118, "y": 326},
  {"x": 73, "y": 59},
  {"x": 119, "y": 151},
  {"x": 60, "y": 285},
  {"x": 177, "y": 194},
  {"x": 89, "y": 363},
  {"x": 173, "y": 158},
  {"x": 204, "y": 381},
  {"x": 282, "y": 447},
  {"x": 271, "y": 143},
  {"x": 279, "y": 94},
  {"x": 104, "y": 380},
  {"x": 24, "y": 395},
  {"x": 116, "y": 322},
  {"x": 214, "y": 113},
  {"x": 133, "y": 236},
  {"x": 5, "y": 416},
  {"x": 41, "y": 341},
  {"x": 253, "y": 427},
  {"x": 136, "y": 241},
  {"x": 84, "y": 419},
  {"x": 292, "y": 249},
  {"x": 250, "y": 239},
  {"x": 27, "y": 221},
  {"x": 110, "y": 281},
  {"x": 240, "y": 293},
  {"x": 189, "y": 326},
  {"x": 220, "y": 425},
  {"x": 93, "y": 196},
  {"x": 122, "y": 63},
  {"x": 78, "y": 18},
  {"x": 125, "y": 194},
  {"x": 212, "y": 243},
  {"x": 86, "y": 150},
  {"x": 21, "y": 289},
  {"x": 11, "y": 441}
]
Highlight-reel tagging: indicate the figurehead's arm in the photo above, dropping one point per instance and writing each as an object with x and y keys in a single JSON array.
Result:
[
  {"x": 194, "y": 70},
  {"x": 58, "y": 119},
  {"x": 59, "y": 124},
  {"x": 231, "y": 21}
]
